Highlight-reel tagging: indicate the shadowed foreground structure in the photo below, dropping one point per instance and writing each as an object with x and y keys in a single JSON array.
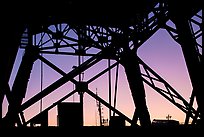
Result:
[{"x": 115, "y": 31}]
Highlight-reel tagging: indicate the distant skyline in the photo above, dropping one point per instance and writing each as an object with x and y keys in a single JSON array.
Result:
[{"x": 160, "y": 52}]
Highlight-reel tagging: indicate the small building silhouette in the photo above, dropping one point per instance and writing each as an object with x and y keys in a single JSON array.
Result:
[
  {"x": 70, "y": 114},
  {"x": 165, "y": 122},
  {"x": 117, "y": 121}
]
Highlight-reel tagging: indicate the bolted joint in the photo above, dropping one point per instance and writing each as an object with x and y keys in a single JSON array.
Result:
[
  {"x": 82, "y": 87},
  {"x": 57, "y": 35},
  {"x": 31, "y": 53},
  {"x": 127, "y": 56},
  {"x": 109, "y": 53},
  {"x": 80, "y": 52}
]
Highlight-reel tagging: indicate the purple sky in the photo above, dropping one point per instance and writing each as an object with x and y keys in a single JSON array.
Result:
[{"x": 160, "y": 52}]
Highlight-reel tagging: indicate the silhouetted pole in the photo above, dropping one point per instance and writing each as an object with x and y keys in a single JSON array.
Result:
[
  {"x": 98, "y": 103},
  {"x": 81, "y": 96},
  {"x": 202, "y": 58},
  {"x": 109, "y": 86}
]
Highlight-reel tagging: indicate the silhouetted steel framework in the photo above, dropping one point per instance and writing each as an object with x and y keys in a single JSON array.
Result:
[{"x": 113, "y": 38}]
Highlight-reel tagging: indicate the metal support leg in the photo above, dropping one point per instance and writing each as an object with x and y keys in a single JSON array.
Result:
[
  {"x": 20, "y": 85},
  {"x": 81, "y": 95},
  {"x": 132, "y": 69},
  {"x": 82, "y": 87},
  {"x": 6, "y": 64},
  {"x": 192, "y": 61}
]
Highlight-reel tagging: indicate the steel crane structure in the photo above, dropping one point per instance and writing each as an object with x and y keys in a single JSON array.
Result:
[{"x": 103, "y": 31}]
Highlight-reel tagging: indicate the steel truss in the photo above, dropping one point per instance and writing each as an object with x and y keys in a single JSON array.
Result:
[{"x": 109, "y": 43}]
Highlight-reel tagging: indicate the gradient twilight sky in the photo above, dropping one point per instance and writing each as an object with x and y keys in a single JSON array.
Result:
[{"x": 160, "y": 52}]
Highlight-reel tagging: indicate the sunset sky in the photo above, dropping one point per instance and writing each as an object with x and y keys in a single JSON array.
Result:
[{"x": 160, "y": 52}]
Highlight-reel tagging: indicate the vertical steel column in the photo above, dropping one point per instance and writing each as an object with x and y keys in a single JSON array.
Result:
[
  {"x": 81, "y": 87},
  {"x": 20, "y": 84},
  {"x": 81, "y": 95},
  {"x": 192, "y": 61},
  {"x": 132, "y": 69},
  {"x": 109, "y": 86},
  {"x": 180, "y": 17},
  {"x": 11, "y": 41},
  {"x": 202, "y": 28}
]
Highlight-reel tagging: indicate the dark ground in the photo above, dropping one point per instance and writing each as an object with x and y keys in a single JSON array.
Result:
[{"x": 94, "y": 131}]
